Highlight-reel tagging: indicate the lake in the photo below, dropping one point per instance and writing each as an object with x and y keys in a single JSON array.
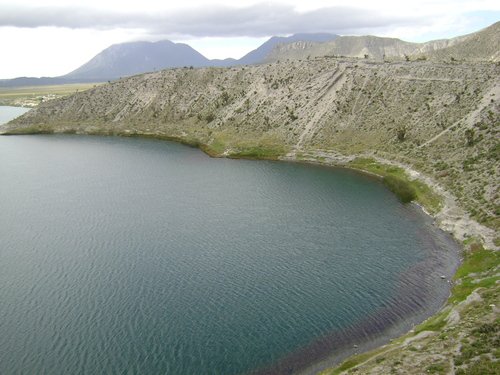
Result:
[
  {"x": 128, "y": 255},
  {"x": 7, "y": 113}
]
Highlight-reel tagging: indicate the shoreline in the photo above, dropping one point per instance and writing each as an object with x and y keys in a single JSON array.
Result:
[
  {"x": 450, "y": 218},
  {"x": 442, "y": 221},
  {"x": 409, "y": 307}
]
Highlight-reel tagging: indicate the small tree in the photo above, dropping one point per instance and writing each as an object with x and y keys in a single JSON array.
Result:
[
  {"x": 401, "y": 133},
  {"x": 469, "y": 136},
  {"x": 402, "y": 188},
  {"x": 225, "y": 98},
  {"x": 210, "y": 117}
]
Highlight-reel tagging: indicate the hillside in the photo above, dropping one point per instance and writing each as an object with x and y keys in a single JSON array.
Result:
[{"x": 478, "y": 46}]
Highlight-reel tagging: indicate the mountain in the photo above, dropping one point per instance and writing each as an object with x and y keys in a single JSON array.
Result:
[
  {"x": 478, "y": 46},
  {"x": 126, "y": 59},
  {"x": 261, "y": 54},
  {"x": 352, "y": 46}
]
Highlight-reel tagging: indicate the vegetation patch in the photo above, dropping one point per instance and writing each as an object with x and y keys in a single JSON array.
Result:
[
  {"x": 397, "y": 181},
  {"x": 480, "y": 342},
  {"x": 258, "y": 152},
  {"x": 402, "y": 188},
  {"x": 215, "y": 148},
  {"x": 435, "y": 323},
  {"x": 436, "y": 368},
  {"x": 481, "y": 367},
  {"x": 476, "y": 271},
  {"x": 478, "y": 260},
  {"x": 35, "y": 129},
  {"x": 352, "y": 362}
]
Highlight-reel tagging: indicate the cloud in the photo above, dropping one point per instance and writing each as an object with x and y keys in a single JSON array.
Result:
[{"x": 209, "y": 21}]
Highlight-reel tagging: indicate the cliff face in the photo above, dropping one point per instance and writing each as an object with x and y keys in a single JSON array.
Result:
[
  {"x": 478, "y": 46},
  {"x": 353, "y": 46},
  {"x": 442, "y": 119}
]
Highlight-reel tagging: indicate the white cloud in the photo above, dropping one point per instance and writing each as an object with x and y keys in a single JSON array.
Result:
[
  {"x": 56, "y": 36},
  {"x": 52, "y": 51}
]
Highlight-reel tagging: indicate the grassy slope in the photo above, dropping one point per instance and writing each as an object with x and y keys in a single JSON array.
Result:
[{"x": 425, "y": 196}]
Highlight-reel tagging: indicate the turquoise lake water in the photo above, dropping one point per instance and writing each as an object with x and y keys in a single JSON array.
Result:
[{"x": 147, "y": 257}]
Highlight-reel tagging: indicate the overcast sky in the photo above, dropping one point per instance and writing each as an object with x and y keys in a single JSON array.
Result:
[{"x": 53, "y": 37}]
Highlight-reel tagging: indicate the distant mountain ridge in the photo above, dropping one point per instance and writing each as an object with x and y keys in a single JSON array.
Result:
[
  {"x": 261, "y": 54},
  {"x": 127, "y": 59},
  {"x": 479, "y": 46}
]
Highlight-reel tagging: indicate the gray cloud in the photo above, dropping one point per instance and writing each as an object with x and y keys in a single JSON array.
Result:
[{"x": 215, "y": 21}]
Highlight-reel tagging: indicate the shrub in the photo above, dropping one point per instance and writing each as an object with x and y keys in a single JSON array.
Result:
[
  {"x": 469, "y": 136},
  {"x": 258, "y": 152},
  {"x": 436, "y": 368},
  {"x": 483, "y": 366},
  {"x": 401, "y": 133},
  {"x": 403, "y": 190},
  {"x": 210, "y": 117}
]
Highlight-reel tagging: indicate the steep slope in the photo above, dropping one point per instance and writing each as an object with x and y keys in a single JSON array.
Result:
[
  {"x": 121, "y": 60},
  {"x": 352, "y": 46},
  {"x": 440, "y": 118},
  {"x": 478, "y": 46}
]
